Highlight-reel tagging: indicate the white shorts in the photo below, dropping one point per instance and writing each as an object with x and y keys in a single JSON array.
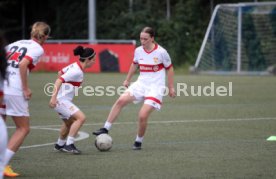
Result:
[
  {"x": 3, "y": 109},
  {"x": 66, "y": 109},
  {"x": 150, "y": 94},
  {"x": 15, "y": 106}
]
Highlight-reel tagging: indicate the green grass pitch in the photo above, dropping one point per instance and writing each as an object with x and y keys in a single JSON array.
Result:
[{"x": 191, "y": 137}]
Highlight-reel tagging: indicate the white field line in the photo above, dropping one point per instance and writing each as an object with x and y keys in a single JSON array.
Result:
[
  {"x": 81, "y": 136},
  {"x": 169, "y": 122},
  {"x": 84, "y": 135}
]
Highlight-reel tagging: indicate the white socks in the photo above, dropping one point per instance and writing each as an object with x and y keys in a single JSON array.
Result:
[
  {"x": 107, "y": 125},
  {"x": 70, "y": 140},
  {"x": 139, "y": 139},
  {"x": 61, "y": 142},
  {"x": 8, "y": 155}
]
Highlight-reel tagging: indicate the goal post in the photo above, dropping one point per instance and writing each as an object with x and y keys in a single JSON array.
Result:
[{"x": 240, "y": 39}]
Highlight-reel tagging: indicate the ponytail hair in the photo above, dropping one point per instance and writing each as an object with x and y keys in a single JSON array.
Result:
[
  {"x": 40, "y": 30},
  {"x": 84, "y": 53}
]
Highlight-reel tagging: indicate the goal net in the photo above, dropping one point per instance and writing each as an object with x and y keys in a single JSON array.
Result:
[{"x": 240, "y": 38}]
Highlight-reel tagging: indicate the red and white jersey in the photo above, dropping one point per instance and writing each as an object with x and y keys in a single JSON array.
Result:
[
  {"x": 152, "y": 65},
  {"x": 72, "y": 77},
  {"x": 16, "y": 51}
]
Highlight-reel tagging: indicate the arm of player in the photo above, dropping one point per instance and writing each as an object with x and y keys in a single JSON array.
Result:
[
  {"x": 53, "y": 101},
  {"x": 131, "y": 72},
  {"x": 23, "y": 70},
  {"x": 59, "y": 74},
  {"x": 170, "y": 73}
]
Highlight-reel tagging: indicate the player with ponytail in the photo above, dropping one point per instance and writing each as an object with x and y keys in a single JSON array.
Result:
[
  {"x": 70, "y": 78},
  {"x": 154, "y": 64}
]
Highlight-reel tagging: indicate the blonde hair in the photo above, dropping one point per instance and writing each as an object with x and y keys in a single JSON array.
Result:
[{"x": 39, "y": 31}]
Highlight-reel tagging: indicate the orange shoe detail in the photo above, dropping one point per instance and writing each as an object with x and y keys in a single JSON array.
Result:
[{"x": 8, "y": 172}]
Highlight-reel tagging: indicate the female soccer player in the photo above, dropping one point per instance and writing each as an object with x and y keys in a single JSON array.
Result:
[
  {"x": 69, "y": 78},
  {"x": 22, "y": 56},
  {"x": 3, "y": 128},
  {"x": 153, "y": 62}
]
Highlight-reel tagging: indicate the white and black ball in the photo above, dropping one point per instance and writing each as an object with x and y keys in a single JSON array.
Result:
[{"x": 103, "y": 142}]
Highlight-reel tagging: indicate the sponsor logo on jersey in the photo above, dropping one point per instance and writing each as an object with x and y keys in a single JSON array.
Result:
[
  {"x": 71, "y": 108},
  {"x": 151, "y": 68},
  {"x": 146, "y": 68}
]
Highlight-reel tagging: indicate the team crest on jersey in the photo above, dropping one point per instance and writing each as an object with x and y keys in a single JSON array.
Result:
[
  {"x": 155, "y": 59},
  {"x": 155, "y": 68},
  {"x": 71, "y": 108}
]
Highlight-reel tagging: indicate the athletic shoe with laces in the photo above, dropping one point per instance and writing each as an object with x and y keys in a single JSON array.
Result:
[
  {"x": 137, "y": 145},
  {"x": 59, "y": 147},
  {"x": 100, "y": 131},
  {"x": 8, "y": 172},
  {"x": 71, "y": 149}
]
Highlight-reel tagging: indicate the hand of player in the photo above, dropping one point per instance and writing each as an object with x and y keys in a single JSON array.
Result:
[
  {"x": 172, "y": 92},
  {"x": 126, "y": 83},
  {"x": 53, "y": 103},
  {"x": 27, "y": 93}
]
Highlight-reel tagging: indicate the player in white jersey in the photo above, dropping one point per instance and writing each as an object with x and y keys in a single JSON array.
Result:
[
  {"x": 22, "y": 56},
  {"x": 154, "y": 62},
  {"x": 73, "y": 118},
  {"x": 3, "y": 128}
]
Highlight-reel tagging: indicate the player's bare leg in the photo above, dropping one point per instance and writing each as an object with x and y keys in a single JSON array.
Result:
[
  {"x": 63, "y": 133},
  {"x": 123, "y": 100},
  {"x": 144, "y": 113},
  {"x": 64, "y": 130},
  {"x": 22, "y": 130},
  {"x": 22, "y": 124},
  {"x": 78, "y": 119}
]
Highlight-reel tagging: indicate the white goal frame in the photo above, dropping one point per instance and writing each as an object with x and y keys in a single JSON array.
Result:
[{"x": 239, "y": 37}]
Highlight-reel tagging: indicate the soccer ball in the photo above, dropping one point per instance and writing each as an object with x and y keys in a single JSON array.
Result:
[{"x": 103, "y": 142}]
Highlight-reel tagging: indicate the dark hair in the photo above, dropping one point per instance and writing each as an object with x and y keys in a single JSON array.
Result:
[
  {"x": 149, "y": 30},
  {"x": 84, "y": 53},
  {"x": 3, "y": 60}
]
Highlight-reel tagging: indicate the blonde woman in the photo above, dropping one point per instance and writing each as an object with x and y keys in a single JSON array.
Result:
[{"x": 22, "y": 56}]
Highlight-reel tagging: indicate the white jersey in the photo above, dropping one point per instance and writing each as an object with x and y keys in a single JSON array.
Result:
[
  {"x": 152, "y": 65},
  {"x": 16, "y": 51},
  {"x": 72, "y": 77}
]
